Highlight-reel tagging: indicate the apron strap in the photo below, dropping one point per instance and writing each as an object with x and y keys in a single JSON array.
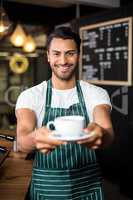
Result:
[
  {"x": 82, "y": 101},
  {"x": 48, "y": 94},
  {"x": 80, "y": 97}
]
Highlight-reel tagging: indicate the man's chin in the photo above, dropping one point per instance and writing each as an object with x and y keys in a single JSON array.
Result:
[{"x": 65, "y": 77}]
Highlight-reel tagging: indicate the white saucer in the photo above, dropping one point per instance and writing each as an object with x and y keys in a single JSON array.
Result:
[{"x": 56, "y": 135}]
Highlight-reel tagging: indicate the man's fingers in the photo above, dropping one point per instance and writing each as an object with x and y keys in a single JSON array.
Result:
[
  {"x": 98, "y": 142},
  {"x": 45, "y": 151},
  {"x": 94, "y": 144},
  {"x": 44, "y": 137},
  {"x": 90, "y": 127},
  {"x": 44, "y": 146}
]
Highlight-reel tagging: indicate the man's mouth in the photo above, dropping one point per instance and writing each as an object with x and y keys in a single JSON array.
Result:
[
  {"x": 65, "y": 68},
  {"x": 63, "y": 65}
]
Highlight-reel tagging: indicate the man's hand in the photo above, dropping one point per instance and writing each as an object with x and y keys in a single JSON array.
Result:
[
  {"x": 101, "y": 128},
  {"x": 43, "y": 142},
  {"x": 29, "y": 138},
  {"x": 95, "y": 140}
]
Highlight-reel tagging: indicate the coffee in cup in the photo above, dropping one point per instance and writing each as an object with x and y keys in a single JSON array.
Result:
[{"x": 68, "y": 126}]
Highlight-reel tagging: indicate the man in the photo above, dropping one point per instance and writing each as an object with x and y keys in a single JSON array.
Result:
[{"x": 64, "y": 170}]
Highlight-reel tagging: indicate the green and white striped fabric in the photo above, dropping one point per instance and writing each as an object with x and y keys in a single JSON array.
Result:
[{"x": 70, "y": 171}]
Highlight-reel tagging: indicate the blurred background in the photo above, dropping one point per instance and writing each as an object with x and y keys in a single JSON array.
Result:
[{"x": 24, "y": 27}]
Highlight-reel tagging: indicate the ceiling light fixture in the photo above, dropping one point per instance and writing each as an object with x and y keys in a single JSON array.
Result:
[
  {"x": 4, "y": 20},
  {"x": 29, "y": 44},
  {"x": 18, "y": 37}
]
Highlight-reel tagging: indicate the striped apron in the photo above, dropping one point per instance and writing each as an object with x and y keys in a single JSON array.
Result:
[{"x": 70, "y": 171}]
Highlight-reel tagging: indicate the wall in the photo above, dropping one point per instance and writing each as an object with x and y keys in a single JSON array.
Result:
[
  {"x": 43, "y": 71},
  {"x": 119, "y": 156}
]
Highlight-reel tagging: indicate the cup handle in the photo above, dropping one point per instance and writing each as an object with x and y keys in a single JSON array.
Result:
[{"x": 49, "y": 124}]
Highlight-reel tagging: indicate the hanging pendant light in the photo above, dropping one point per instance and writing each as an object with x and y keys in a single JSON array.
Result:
[
  {"x": 29, "y": 44},
  {"x": 18, "y": 37},
  {"x": 4, "y": 20}
]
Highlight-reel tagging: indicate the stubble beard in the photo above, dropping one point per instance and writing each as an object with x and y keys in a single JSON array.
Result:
[{"x": 64, "y": 77}]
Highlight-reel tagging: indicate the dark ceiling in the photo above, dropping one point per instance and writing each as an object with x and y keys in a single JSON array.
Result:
[
  {"x": 46, "y": 16},
  {"x": 33, "y": 14},
  {"x": 42, "y": 15}
]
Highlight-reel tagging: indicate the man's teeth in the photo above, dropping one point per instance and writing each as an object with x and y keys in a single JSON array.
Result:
[{"x": 67, "y": 66}]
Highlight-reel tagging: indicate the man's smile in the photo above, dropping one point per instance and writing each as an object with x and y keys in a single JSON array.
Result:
[{"x": 64, "y": 68}]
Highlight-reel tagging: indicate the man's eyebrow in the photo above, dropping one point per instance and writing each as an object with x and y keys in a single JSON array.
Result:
[
  {"x": 70, "y": 50},
  {"x": 55, "y": 50}
]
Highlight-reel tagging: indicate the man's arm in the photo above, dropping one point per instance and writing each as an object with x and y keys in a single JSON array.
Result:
[
  {"x": 101, "y": 127},
  {"x": 30, "y": 138},
  {"x": 26, "y": 123},
  {"x": 102, "y": 118}
]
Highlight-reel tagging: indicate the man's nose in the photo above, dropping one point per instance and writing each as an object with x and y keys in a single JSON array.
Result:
[{"x": 63, "y": 59}]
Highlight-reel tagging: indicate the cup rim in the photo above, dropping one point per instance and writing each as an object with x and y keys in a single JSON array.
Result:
[{"x": 71, "y": 117}]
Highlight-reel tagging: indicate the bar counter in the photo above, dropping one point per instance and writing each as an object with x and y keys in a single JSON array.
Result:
[{"x": 15, "y": 173}]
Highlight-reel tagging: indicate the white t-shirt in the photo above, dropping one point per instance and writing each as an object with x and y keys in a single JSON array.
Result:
[{"x": 34, "y": 98}]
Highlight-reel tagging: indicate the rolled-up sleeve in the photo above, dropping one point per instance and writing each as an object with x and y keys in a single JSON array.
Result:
[{"x": 26, "y": 100}]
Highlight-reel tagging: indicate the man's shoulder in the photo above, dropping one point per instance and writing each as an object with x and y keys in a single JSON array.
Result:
[
  {"x": 39, "y": 88},
  {"x": 88, "y": 86},
  {"x": 32, "y": 97},
  {"x": 94, "y": 94}
]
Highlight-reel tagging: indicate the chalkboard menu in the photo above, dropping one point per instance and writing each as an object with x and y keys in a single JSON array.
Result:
[{"x": 106, "y": 52}]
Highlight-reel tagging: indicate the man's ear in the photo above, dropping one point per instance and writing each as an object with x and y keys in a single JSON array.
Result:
[{"x": 48, "y": 56}]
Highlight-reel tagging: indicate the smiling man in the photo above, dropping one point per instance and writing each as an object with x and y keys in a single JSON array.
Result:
[
  {"x": 64, "y": 170},
  {"x": 62, "y": 57}
]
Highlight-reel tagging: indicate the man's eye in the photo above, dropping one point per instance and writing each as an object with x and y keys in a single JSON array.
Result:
[
  {"x": 56, "y": 54},
  {"x": 71, "y": 53}
]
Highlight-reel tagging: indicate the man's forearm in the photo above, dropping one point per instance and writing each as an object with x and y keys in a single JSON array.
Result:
[{"x": 26, "y": 143}]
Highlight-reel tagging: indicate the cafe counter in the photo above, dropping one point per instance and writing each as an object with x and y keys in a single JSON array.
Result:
[{"x": 15, "y": 174}]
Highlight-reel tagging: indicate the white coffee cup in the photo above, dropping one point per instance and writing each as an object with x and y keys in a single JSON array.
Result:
[{"x": 68, "y": 126}]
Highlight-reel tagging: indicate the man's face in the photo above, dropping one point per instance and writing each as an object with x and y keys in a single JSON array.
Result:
[{"x": 63, "y": 58}]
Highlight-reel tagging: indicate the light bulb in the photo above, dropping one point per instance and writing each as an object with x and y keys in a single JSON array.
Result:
[
  {"x": 19, "y": 41},
  {"x": 29, "y": 45},
  {"x": 4, "y": 22},
  {"x": 2, "y": 28},
  {"x": 18, "y": 37}
]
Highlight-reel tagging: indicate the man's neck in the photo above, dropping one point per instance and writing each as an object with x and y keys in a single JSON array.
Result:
[{"x": 63, "y": 84}]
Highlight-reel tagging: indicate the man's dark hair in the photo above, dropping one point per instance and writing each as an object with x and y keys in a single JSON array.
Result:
[{"x": 64, "y": 33}]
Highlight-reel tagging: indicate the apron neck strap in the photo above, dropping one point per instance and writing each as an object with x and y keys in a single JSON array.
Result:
[
  {"x": 79, "y": 92},
  {"x": 81, "y": 100},
  {"x": 48, "y": 93}
]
